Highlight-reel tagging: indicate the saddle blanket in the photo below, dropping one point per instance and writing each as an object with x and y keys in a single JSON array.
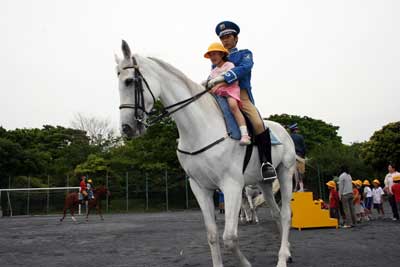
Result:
[{"x": 231, "y": 124}]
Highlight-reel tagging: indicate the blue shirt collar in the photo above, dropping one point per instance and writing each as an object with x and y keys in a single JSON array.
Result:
[{"x": 233, "y": 50}]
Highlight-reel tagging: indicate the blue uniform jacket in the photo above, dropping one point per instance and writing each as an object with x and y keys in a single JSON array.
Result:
[
  {"x": 243, "y": 61},
  {"x": 299, "y": 144}
]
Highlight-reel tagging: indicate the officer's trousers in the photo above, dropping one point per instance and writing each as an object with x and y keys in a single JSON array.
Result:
[{"x": 251, "y": 112}]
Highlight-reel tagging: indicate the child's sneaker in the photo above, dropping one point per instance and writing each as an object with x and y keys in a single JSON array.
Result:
[{"x": 245, "y": 140}]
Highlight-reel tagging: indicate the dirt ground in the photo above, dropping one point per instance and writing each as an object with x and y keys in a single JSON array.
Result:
[{"x": 179, "y": 239}]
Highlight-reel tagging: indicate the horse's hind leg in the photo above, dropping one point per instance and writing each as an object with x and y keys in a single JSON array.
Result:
[
  {"x": 286, "y": 185},
  {"x": 205, "y": 199},
  {"x": 270, "y": 199},
  {"x": 233, "y": 199},
  {"x": 98, "y": 210}
]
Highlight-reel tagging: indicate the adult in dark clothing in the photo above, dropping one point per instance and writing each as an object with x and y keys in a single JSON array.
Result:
[{"x": 300, "y": 148}]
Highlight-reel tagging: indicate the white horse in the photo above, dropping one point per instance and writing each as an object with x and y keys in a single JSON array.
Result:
[
  {"x": 248, "y": 211},
  {"x": 206, "y": 153}
]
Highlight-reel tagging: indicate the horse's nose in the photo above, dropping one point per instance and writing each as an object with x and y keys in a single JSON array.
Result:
[
  {"x": 126, "y": 129},
  {"x": 128, "y": 81}
]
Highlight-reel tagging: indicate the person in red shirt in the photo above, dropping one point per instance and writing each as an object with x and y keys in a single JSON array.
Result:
[
  {"x": 83, "y": 187},
  {"x": 396, "y": 189},
  {"x": 357, "y": 201},
  {"x": 333, "y": 200}
]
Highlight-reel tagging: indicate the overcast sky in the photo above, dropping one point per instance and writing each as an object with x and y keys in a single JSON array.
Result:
[{"x": 337, "y": 61}]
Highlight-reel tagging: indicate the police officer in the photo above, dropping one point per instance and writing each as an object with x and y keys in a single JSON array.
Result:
[
  {"x": 300, "y": 148},
  {"x": 228, "y": 32},
  {"x": 298, "y": 140}
]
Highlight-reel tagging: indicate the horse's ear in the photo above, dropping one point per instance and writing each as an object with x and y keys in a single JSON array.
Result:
[
  {"x": 126, "y": 50},
  {"x": 117, "y": 59}
]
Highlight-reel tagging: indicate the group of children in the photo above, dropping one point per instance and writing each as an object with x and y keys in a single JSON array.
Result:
[{"x": 364, "y": 199}]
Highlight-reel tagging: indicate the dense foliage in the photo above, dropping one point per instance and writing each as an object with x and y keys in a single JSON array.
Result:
[{"x": 60, "y": 151}]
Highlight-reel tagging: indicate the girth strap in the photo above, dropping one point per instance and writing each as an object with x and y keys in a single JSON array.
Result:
[{"x": 204, "y": 148}]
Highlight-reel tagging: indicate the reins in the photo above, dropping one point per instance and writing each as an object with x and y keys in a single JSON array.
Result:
[
  {"x": 139, "y": 104},
  {"x": 139, "y": 99}
]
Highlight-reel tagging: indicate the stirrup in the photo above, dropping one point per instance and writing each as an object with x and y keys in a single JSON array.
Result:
[{"x": 268, "y": 172}]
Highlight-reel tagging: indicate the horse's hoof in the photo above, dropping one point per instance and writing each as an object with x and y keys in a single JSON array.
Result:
[{"x": 290, "y": 260}]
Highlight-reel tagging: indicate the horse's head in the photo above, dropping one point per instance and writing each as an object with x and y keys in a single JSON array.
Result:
[{"x": 138, "y": 91}]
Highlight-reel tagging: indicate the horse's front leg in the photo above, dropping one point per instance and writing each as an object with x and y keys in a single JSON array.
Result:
[
  {"x": 252, "y": 209},
  {"x": 205, "y": 199},
  {"x": 65, "y": 213},
  {"x": 72, "y": 211},
  {"x": 233, "y": 198}
]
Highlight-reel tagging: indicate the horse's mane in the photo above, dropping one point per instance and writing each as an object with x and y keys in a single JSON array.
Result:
[{"x": 194, "y": 87}]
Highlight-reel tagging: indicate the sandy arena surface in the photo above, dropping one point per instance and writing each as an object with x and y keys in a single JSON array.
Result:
[{"x": 179, "y": 239}]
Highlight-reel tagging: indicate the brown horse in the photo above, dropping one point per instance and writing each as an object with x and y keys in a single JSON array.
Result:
[{"x": 72, "y": 201}]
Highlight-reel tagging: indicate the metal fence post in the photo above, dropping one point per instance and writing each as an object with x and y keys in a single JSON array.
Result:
[
  {"x": 147, "y": 192},
  {"x": 27, "y": 201},
  {"x": 127, "y": 194},
  {"x": 319, "y": 182},
  {"x": 108, "y": 190},
  {"x": 48, "y": 194},
  {"x": 166, "y": 188},
  {"x": 186, "y": 191}
]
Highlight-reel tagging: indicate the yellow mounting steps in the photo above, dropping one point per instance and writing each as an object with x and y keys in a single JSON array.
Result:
[{"x": 308, "y": 214}]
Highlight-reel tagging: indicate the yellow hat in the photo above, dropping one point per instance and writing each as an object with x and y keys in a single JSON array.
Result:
[
  {"x": 90, "y": 181},
  {"x": 376, "y": 181},
  {"x": 331, "y": 184},
  {"x": 214, "y": 47},
  {"x": 366, "y": 182},
  {"x": 358, "y": 182},
  {"x": 396, "y": 178}
]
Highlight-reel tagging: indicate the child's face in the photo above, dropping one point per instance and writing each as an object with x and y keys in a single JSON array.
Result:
[{"x": 216, "y": 57}]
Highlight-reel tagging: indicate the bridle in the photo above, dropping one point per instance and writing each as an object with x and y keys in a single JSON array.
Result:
[{"x": 138, "y": 81}]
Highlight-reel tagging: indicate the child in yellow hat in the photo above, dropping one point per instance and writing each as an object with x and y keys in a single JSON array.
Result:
[
  {"x": 333, "y": 200},
  {"x": 367, "y": 200},
  {"x": 396, "y": 189},
  {"x": 217, "y": 53},
  {"x": 357, "y": 201},
  {"x": 377, "y": 193}
]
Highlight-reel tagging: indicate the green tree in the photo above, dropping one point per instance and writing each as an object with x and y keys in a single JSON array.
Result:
[
  {"x": 315, "y": 132},
  {"x": 383, "y": 147}
]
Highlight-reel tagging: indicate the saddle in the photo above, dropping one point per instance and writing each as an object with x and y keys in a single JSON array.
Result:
[
  {"x": 234, "y": 132},
  {"x": 231, "y": 125}
]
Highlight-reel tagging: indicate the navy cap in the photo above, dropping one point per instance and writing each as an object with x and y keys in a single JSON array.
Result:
[
  {"x": 227, "y": 27},
  {"x": 293, "y": 126}
]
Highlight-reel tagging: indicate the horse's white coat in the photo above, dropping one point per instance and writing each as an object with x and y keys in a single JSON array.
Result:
[{"x": 199, "y": 124}]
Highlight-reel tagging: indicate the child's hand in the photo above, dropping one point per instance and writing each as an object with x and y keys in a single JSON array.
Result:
[{"x": 216, "y": 87}]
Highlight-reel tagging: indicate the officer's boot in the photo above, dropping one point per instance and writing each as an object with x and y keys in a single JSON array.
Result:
[{"x": 263, "y": 141}]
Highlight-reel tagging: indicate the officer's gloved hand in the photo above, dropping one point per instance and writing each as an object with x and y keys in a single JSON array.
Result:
[
  {"x": 211, "y": 83},
  {"x": 204, "y": 83}
]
